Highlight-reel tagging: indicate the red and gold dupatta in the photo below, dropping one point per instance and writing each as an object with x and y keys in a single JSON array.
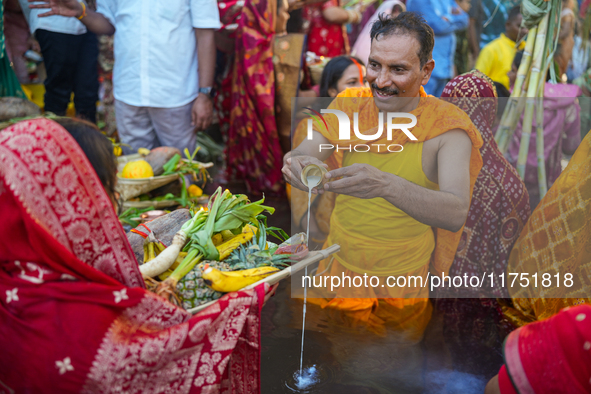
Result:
[{"x": 74, "y": 314}]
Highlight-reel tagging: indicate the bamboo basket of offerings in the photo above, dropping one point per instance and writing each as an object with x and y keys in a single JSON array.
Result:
[
  {"x": 222, "y": 248},
  {"x": 129, "y": 188},
  {"x": 309, "y": 259}
]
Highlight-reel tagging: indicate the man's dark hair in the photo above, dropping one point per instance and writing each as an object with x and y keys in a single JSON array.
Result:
[
  {"x": 513, "y": 13},
  {"x": 407, "y": 23}
]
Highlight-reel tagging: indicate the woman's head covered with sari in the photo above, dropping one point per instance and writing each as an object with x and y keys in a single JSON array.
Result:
[
  {"x": 549, "y": 356},
  {"x": 72, "y": 299},
  {"x": 473, "y": 327},
  {"x": 500, "y": 203}
]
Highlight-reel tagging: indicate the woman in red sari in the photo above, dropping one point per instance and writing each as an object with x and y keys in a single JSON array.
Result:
[
  {"x": 549, "y": 356},
  {"x": 325, "y": 26},
  {"x": 74, "y": 312}
]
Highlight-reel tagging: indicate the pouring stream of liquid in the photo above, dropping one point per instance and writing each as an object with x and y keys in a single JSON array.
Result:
[{"x": 313, "y": 181}]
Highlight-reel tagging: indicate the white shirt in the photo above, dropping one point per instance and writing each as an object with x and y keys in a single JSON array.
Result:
[
  {"x": 156, "y": 50},
  {"x": 54, "y": 23}
]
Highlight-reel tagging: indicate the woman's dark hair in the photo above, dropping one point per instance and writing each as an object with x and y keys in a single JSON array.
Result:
[
  {"x": 517, "y": 59},
  {"x": 333, "y": 71},
  {"x": 97, "y": 148},
  {"x": 404, "y": 24},
  {"x": 502, "y": 95}
]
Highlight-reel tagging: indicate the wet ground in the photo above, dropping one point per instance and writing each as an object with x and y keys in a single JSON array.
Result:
[
  {"x": 459, "y": 351},
  {"x": 357, "y": 360}
]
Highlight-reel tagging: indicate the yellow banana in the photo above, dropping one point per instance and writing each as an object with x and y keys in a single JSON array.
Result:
[
  {"x": 217, "y": 239},
  {"x": 227, "y": 235},
  {"x": 151, "y": 252},
  {"x": 145, "y": 253},
  {"x": 159, "y": 247},
  {"x": 228, "y": 246},
  {"x": 229, "y": 281}
]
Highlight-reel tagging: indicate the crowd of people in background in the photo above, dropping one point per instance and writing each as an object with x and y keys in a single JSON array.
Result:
[
  {"x": 231, "y": 69},
  {"x": 163, "y": 86}
]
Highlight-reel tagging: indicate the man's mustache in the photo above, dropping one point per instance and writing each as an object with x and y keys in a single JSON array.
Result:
[{"x": 385, "y": 91}]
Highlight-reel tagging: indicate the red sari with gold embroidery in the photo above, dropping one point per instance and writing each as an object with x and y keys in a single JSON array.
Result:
[{"x": 74, "y": 314}]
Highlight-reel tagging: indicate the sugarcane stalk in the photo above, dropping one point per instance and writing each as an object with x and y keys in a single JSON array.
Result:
[
  {"x": 532, "y": 93},
  {"x": 514, "y": 109},
  {"x": 540, "y": 144}
]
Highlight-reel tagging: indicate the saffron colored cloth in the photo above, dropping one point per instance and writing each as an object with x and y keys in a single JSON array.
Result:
[
  {"x": 556, "y": 239},
  {"x": 500, "y": 203},
  {"x": 434, "y": 117},
  {"x": 496, "y": 58},
  {"x": 406, "y": 308},
  {"x": 253, "y": 148},
  {"x": 550, "y": 356},
  {"x": 324, "y": 38},
  {"x": 562, "y": 133},
  {"x": 74, "y": 312}
]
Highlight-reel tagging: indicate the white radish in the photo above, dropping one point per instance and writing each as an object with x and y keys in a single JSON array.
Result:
[{"x": 166, "y": 259}]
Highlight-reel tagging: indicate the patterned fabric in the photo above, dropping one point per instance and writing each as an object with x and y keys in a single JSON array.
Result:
[
  {"x": 72, "y": 300},
  {"x": 324, "y": 38},
  {"x": 500, "y": 203},
  {"x": 550, "y": 356},
  {"x": 9, "y": 84},
  {"x": 474, "y": 328},
  {"x": 556, "y": 240},
  {"x": 253, "y": 150}
]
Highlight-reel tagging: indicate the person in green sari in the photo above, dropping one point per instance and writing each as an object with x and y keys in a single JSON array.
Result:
[{"x": 9, "y": 84}]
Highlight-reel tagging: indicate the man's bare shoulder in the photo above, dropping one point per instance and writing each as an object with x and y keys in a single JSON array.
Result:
[{"x": 455, "y": 137}]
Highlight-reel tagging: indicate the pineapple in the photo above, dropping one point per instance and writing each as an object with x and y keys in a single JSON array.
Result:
[
  {"x": 256, "y": 254},
  {"x": 192, "y": 290}
]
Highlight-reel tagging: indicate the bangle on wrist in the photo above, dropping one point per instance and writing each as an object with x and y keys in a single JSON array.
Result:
[{"x": 83, "y": 10}]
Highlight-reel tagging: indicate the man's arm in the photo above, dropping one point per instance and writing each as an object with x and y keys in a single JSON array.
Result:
[
  {"x": 446, "y": 208},
  {"x": 202, "y": 112},
  {"x": 95, "y": 22}
]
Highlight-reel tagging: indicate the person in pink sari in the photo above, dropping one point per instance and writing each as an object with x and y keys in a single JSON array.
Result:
[
  {"x": 74, "y": 312},
  {"x": 562, "y": 133}
]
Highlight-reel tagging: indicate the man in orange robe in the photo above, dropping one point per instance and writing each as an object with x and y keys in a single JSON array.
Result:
[{"x": 401, "y": 205}]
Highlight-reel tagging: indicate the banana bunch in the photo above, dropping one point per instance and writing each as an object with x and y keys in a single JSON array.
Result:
[{"x": 229, "y": 281}]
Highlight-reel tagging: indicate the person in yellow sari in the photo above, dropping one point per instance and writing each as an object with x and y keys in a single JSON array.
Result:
[
  {"x": 340, "y": 73},
  {"x": 398, "y": 214},
  {"x": 556, "y": 240}
]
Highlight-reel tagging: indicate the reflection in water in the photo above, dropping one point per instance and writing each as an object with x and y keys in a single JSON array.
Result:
[{"x": 354, "y": 359}]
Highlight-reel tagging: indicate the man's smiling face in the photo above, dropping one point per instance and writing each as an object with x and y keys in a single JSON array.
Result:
[{"x": 394, "y": 70}]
